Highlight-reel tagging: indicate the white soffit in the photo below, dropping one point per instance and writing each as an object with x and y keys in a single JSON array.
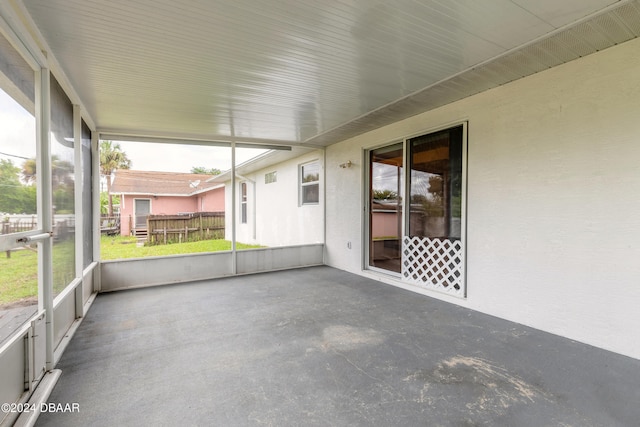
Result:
[{"x": 305, "y": 71}]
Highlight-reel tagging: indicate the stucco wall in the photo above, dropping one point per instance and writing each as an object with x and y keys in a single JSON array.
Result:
[
  {"x": 553, "y": 185},
  {"x": 211, "y": 201},
  {"x": 279, "y": 220}
]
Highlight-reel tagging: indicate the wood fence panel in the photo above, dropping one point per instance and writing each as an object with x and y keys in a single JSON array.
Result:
[
  {"x": 165, "y": 229},
  {"x": 18, "y": 225}
]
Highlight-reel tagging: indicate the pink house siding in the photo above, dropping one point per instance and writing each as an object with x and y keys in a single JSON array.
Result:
[
  {"x": 384, "y": 224},
  {"x": 210, "y": 201}
]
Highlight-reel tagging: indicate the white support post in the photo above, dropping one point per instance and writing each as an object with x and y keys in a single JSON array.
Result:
[
  {"x": 234, "y": 255},
  {"x": 324, "y": 205},
  {"x": 95, "y": 182},
  {"x": 45, "y": 203},
  {"x": 79, "y": 216}
]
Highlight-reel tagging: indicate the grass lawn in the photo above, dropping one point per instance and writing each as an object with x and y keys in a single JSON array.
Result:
[
  {"x": 121, "y": 247},
  {"x": 19, "y": 274}
]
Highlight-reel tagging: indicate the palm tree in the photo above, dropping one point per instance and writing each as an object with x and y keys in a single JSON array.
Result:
[
  {"x": 112, "y": 158},
  {"x": 29, "y": 170},
  {"x": 61, "y": 171}
]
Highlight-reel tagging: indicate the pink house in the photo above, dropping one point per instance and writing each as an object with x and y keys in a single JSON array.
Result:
[{"x": 145, "y": 193}]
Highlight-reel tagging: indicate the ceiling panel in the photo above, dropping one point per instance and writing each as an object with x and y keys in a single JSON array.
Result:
[
  {"x": 560, "y": 12},
  {"x": 303, "y": 71}
]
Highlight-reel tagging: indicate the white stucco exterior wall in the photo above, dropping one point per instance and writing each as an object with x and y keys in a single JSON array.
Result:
[
  {"x": 553, "y": 196},
  {"x": 279, "y": 218}
]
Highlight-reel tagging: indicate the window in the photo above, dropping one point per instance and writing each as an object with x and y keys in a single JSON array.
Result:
[
  {"x": 270, "y": 177},
  {"x": 310, "y": 183},
  {"x": 243, "y": 203}
]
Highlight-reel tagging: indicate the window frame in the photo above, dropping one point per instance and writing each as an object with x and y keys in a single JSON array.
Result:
[
  {"x": 135, "y": 210},
  {"x": 243, "y": 202},
  {"x": 302, "y": 185},
  {"x": 271, "y": 177},
  {"x": 367, "y": 199}
]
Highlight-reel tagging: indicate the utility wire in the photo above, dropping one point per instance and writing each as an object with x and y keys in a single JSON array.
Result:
[{"x": 13, "y": 155}]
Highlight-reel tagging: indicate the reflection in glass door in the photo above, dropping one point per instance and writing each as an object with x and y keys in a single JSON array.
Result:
[
  {"x": 385, "y": 211},
  {"x": 433, "y": 248},
  {"x": 436, "y": 185}
]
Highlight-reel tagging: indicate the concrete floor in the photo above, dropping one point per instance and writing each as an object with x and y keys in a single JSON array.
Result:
[{"x": 319, "y": 346}]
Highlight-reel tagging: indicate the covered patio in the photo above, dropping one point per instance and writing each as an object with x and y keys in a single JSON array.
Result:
[
  {"x": 319, "y": 346},
  {"x": 430, "y": 211}
]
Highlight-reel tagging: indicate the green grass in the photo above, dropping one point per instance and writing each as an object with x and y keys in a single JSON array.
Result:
[
  {"x": 19, "y": 274},
  {"x": 123, "y": 247}
]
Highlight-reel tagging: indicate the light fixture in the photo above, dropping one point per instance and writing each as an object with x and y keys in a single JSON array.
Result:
[{"x": 346, "y": 165}]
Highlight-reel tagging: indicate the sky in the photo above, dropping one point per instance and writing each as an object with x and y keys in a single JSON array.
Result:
[
  {"x": 18, "y": 141},
  {"x": 181, "y": 158},
  {"x": 17, "y": 131}
]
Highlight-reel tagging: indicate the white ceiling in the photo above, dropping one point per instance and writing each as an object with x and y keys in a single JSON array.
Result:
[{"x": 306, "y": 71}]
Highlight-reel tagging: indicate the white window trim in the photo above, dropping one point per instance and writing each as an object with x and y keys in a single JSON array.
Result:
[
  {"x": 273, "y": 175},
  {"x": 244, "y": 203},
  {"x": 403, "y": 283},
  {"x": 301, "y": 184}
]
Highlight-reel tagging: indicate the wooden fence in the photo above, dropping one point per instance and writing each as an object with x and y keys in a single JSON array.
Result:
[
  {"x": 164, "y": 229},
  {"x": 16, "y": 225},
  {"x": 110, "y": 225}
]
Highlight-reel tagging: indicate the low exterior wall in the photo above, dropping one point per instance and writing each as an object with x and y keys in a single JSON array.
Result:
[{"x": 153, "y": 271}]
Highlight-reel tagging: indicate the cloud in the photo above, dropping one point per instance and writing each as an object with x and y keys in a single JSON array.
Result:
[
  {"x": 17, "y": 130},
  {"x": 163, "y": 157},
  {"x": 18, "y": 140}
]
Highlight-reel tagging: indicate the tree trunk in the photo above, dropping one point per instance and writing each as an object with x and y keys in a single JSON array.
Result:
[{"x": 110, "y": 203}]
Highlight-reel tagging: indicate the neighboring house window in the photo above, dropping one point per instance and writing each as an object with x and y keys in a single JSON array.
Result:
[
  {"x": 270, "y": 177},
  {"x": 243, "y": 203},
  {"x": 310, "y": 183}
]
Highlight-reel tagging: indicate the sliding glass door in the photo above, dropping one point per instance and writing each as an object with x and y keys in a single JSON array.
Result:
[{"x": 430, "y": 219}]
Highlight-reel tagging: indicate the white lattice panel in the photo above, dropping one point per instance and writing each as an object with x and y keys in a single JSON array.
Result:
[{"x": 434, "y": 263}]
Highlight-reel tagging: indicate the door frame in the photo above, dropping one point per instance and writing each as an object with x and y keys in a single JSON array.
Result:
[
  {"x": 135, "y": 210},
  {"x": 366, "y": 198},
  {"x": 366, "y": 243}
]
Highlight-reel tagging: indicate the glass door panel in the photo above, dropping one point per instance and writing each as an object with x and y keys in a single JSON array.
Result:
[
  {"x": 436, "y": 185},
  {"x": 385, "y": 210},
  {"x": 433, "y": 248},
  {"x": 142, "y": 210}
]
